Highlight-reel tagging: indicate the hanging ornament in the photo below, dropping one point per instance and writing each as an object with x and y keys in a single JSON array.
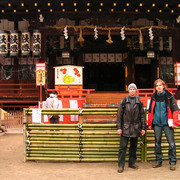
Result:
[
  {"x": 140, "y": 37},
  {"x": 95, "y": 33},
  {"x": 122, "y": 33},
  {"x": 151, "y": 33},
  {"x": 109, "y": 37},
  {"x": 80, "y": 39},
  {"x": 65, "y": 33}
]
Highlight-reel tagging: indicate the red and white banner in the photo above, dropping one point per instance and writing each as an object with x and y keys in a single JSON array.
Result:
[{"x": 66, "y": 119}]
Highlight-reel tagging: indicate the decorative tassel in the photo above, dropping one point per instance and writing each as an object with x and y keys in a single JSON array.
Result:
[
  {"x": 95, "y": 33},
  {"x": 109, "y": 37},
  {"x": 65, "y": 33},
  {"x": 140, "y": 37},
  {"x": 151, "y": 37},
  {"x": 122, "y": 33},
  {"x": 80, "y": 39}
]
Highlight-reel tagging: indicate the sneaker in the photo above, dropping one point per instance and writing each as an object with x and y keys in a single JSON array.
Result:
[
  {"x": 172, "y": 167},
  {"x": 157, "y": 165},
  {"x": 134, "y": 166},
  {"x": 120, "y": 169}
]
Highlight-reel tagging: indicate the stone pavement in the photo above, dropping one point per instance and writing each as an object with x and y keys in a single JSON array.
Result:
[{"x": 12, "y": 131}]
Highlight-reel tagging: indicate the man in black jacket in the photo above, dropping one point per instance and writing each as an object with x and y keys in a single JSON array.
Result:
[{"x": 130, "y": 125}]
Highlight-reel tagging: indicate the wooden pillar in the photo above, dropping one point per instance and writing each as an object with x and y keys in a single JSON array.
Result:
[
  {"x": 15, "y": 70},
  {"x": 51, "y": 76},
  {"x": 154, "y": 69},
  {"x": 129, "y": 69},
  {"x": 43, "y": 46},
  {"x": 43, "y": 59},
  {"x": 16, "y": 61},
  {"x": 176, "y": 45}
]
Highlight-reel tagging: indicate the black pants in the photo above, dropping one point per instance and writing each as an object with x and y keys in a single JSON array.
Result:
[
  {"x": 54, "y": 120},
  {"x": 123, "y": 148}
]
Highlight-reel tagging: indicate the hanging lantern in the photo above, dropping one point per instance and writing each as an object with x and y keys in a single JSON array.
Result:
[
  {"x": 14, "y": 43},
  {"x": 3, "y": 43},
  {"x": 25, "y": 43},
  {"x": 36, "y": 43}
]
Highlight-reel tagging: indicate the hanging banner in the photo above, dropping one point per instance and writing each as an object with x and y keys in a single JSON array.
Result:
[
  {"x": 68, "y": 75},
  {"x": 40, "y": 74}
]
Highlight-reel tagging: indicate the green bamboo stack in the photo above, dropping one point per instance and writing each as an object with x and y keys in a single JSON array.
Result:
[
  {"x": 72, "y": 142},
  {"x": 83, "y": 142}
]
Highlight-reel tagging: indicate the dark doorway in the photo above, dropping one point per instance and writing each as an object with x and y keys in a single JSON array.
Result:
[
  {"x": 104, "y": 76},
  {"x": 143, "y": 76}
]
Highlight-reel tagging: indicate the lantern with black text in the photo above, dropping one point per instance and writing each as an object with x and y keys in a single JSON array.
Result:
[
  {"x": 25, "y": 43},
  {"x": 3, "y": 43},
  {"x": 14, "y": 43},
  {"x": 36, "y": 43}
]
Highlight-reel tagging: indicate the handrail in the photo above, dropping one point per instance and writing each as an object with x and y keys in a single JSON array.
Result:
[
  {"x": 151, "y": 91},
  {"x": 71, "y": 90},
  {"x": 17, "y": 84},
  {"x": 71, "y": 93}
]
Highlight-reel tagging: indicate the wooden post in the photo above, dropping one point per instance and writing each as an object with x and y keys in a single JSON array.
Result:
[
  {"x": 40, "y": 96},
  {"x": 80, "y": 118}
]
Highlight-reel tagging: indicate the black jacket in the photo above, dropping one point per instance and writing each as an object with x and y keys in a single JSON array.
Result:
[{"x": 131, "y": 120}]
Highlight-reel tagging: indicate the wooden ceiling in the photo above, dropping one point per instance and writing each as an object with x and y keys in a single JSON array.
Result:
[{"x": 83, "y": 9}]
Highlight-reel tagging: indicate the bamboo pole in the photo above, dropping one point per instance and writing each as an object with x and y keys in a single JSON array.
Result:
[
  {"x": 64, "y": 149},
  {"x": 45, "y": 139},
  {"x": 51, "y": 159}
]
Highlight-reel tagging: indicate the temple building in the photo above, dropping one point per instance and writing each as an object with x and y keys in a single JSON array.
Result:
[{"x": 116, "y": 42}]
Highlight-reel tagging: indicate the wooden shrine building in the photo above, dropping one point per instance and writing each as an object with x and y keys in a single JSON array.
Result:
[{"x": 117, "y": 42}]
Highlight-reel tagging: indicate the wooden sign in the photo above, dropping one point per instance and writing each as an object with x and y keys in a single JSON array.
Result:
[
  {"x": 68, "y": 75},
  {"x": 40, "y": 74}
]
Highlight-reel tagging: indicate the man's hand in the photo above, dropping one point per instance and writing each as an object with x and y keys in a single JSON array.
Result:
[
  {"x": 119, "y": 131},
  {"x": 143, "y": 132}
]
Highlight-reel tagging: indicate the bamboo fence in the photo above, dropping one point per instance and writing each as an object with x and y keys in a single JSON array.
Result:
[{"x": 83, "y": 142}]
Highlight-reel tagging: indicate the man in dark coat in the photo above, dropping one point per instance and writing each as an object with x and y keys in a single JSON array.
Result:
[{"x": 130, "y": 124}]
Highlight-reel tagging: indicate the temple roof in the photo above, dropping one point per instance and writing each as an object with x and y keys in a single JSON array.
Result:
[{"x": 82, "y": 9}]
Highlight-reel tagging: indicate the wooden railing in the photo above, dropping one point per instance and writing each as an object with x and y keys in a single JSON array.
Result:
[
  {"x": 18, "y": 95},
  {"x": 13, "y": 119},
  {"x": 18, "y": 91},
  {"x": 73, "y": 94},
  {"x": 146, "y": 94}
]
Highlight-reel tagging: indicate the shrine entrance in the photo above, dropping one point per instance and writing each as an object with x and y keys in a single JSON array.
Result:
[
  {"x": 104, "y": 76},
  {"x": 144, "y": 76}
]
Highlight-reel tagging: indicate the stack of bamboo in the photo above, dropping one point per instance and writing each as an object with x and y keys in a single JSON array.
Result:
[
  {"x": 72, "y": 142},
  {"x": 83, "y": 142}
]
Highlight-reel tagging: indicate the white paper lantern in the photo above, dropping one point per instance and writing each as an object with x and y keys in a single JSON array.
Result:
[
  {"x": 14, "y": 43},
  {"x": 25, "y": 43},
  {"x": 3, "y": 43},
  {"x": 36, "y": 43}
]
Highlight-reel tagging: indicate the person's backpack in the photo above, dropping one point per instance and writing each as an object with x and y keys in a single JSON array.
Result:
[{"x": 124, "y": 104}]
